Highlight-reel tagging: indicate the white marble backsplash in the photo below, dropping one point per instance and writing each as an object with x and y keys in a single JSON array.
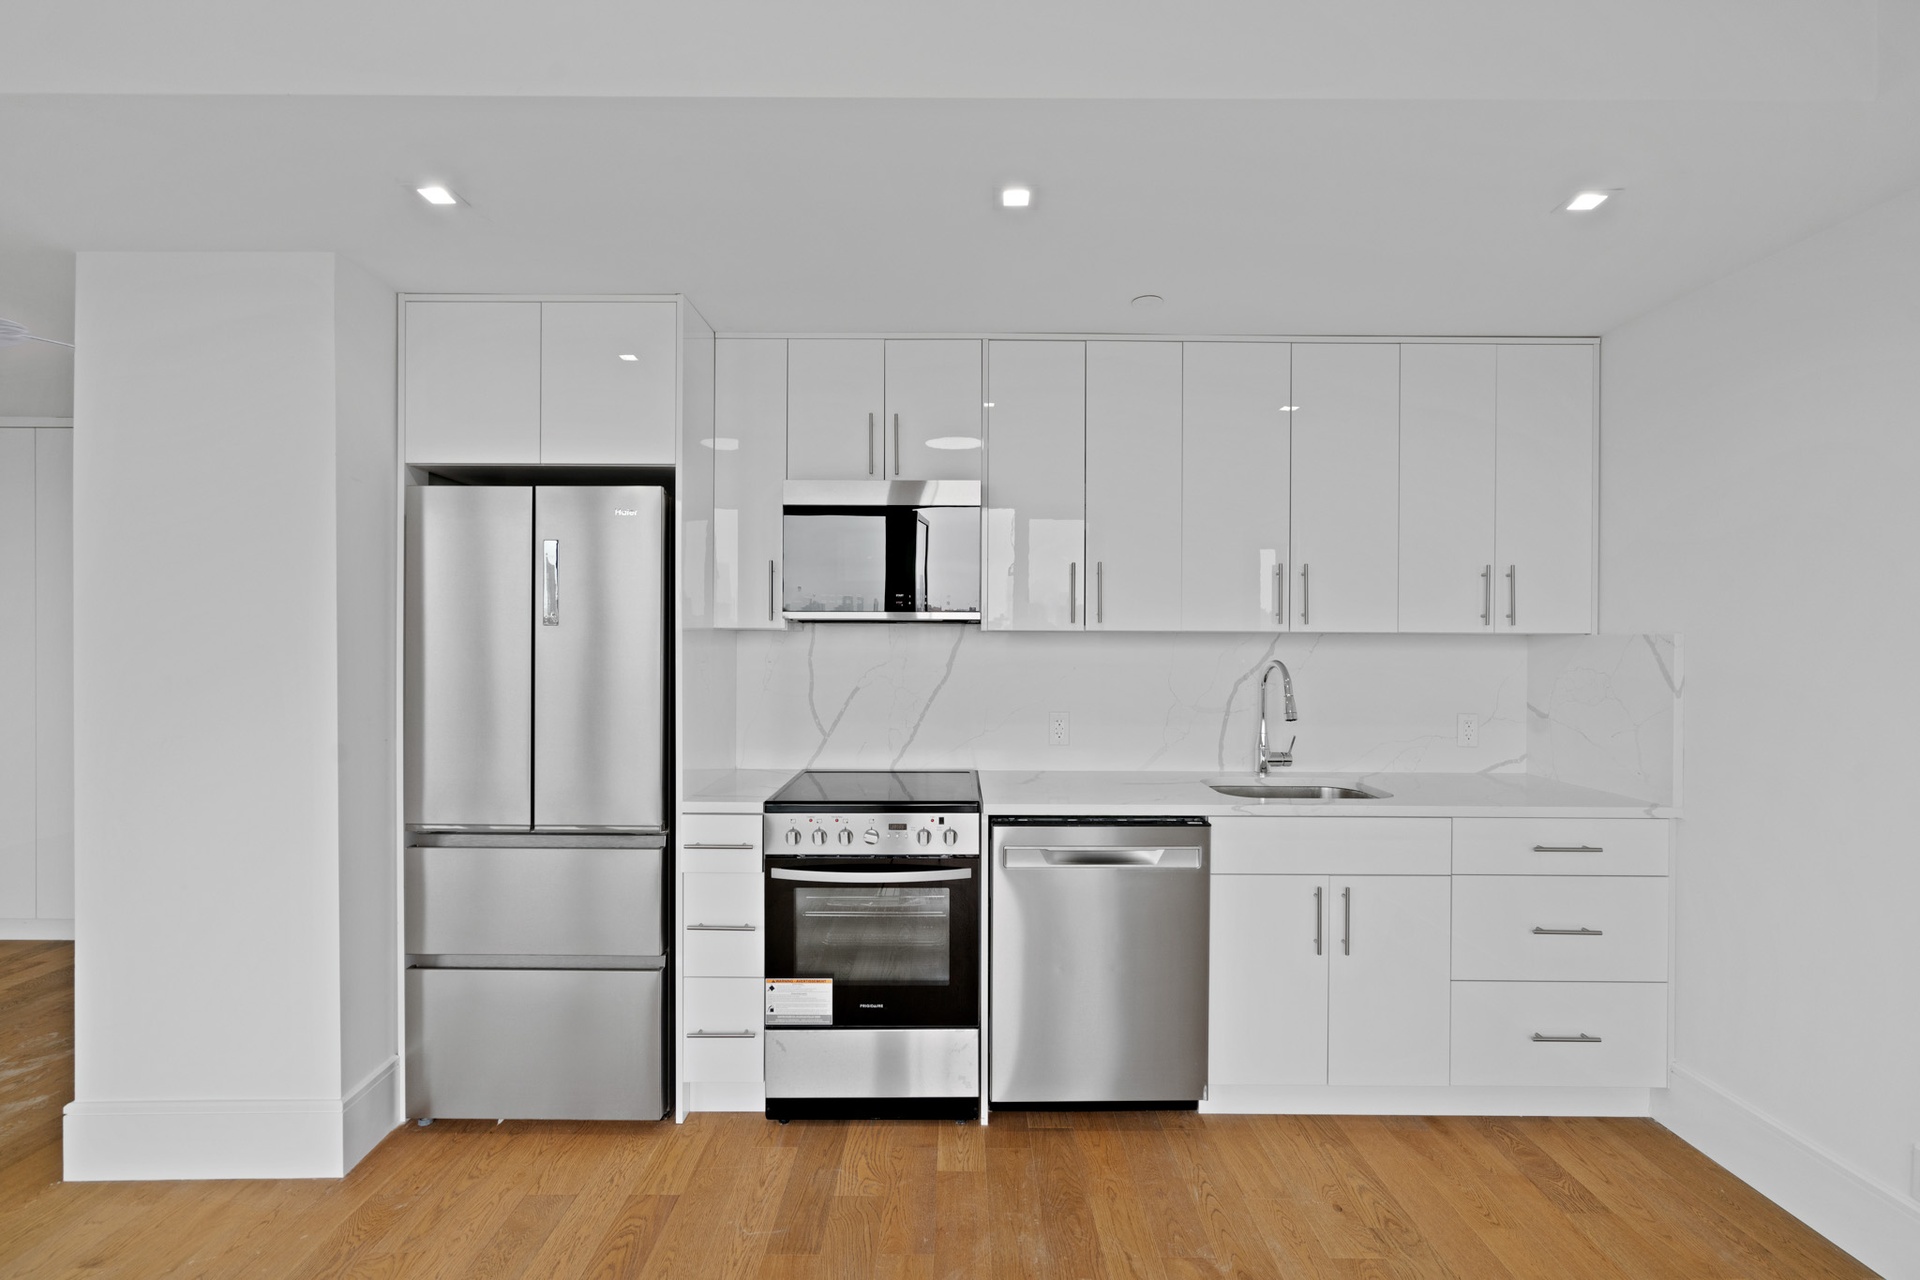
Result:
[
  {"x": 873, "y": 695},
  {"x": 1604, "y": 712}
]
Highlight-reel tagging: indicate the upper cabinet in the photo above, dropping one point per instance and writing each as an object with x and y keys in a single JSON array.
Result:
[
  {"x": 513, "y": 383},
  {"x": 749, "y": 463},
  {"x": 883, "y": 409},
  {"x": 1346, "y": 486},
  {"x": 1034, "y": 523},
  {"x": 1133, "y": 489},
  {"x": 1446, "y": 486},
  {"x": 934, "y": 409},
  {"x": 1236, "y": 454}
]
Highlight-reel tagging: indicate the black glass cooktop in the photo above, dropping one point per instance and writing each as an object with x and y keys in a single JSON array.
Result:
[{"x": 872, "y": 791}]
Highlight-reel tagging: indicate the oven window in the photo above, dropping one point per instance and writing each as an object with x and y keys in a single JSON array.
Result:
[{"x": 879, "y": 935}]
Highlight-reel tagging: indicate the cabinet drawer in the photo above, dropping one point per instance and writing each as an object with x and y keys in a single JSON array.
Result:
[
  {"x": 720, "y": 842},
  {"x": 721, "y": 1030},
  {"x": 1331, "y": 846},
  {"x": 1600, "y": 928},
  {"x": 1494, "y": 1025},
  {"x": 1560, "y": 846},
  {"x": 722, "y": 901}
]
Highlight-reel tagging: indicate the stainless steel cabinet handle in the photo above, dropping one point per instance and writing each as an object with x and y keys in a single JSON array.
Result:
[
  {"x": 1346, "y": 926},
  {"x": 773, "y": 590},
  {"x": 1073, "y": 591},
  {"x": 724, "y": 928},
  {"x": 1280, "y": 592},
  {"x": 1568, "y": 848},
  {"x": 722, "y": 1035},
  {"x": 1513, "y": 595},
  {"x": 716, "y": 846},
  {"x": 868, "y": 877},
  {"x": 896, "y": 444},
  {"x": 1319, "y": 918},
  {"x": 1486, "y": 596},
  {"x": 1099, "y": 590},
  {"x": 1568, "y": 933},
  {"x": 1304, "y": 599},
  {"x": 550, "y": 583},
  {"x": 1582, "y": 1038},
  {"x": 869, "y": 444}
]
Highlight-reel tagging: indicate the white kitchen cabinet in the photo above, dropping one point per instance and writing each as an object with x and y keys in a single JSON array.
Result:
[
  {"x": 1446, "y": 487},
  {"x": 1561, "y": 846},
  {"x": 1236, "y": 486},
  {"x": 721, "y": 948},
  {"x": 1388, "y": 1009},
  {"x": 1267, "y": 1006},
  {"x": 836, "y": 398},
  {"x": 53, "y": 672},
  {"x": 18, "y": 843},
  {"x": 1035, "y": 499},
  {"x": 1560, "y": 928},
  {"x": 749, "y": 447},
  {"x": 1596, "y": 1034},
  {"x": 1346, "y": 480},
  {"x": 934, "y": 409},
  {"x": 608, "y": 382},
  {"x": 1133, "y": 490},
  {"x": 1543, "y": 526},
  {"x": 472, "y": 383}
]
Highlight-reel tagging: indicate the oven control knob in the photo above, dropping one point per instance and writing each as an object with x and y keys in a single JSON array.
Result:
[
  {"x": 872, "y": 836},
  {"x": 924, "y": 836},
  {"x": 952, "y": 836},
  {"x": 793, "y": 835},
  {"x": 819, "y": 835},
  {"x": 846, "y": 836}
]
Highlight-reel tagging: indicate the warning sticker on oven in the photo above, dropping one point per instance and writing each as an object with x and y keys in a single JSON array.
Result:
[{"x": 800, "y": 1002}]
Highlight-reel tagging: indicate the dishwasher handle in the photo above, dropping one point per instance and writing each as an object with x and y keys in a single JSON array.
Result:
[{"x": 1164, "y": 857}]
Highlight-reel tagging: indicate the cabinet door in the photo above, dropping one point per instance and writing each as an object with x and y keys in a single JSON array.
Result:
[
  {"x": 17, "y": 837},
  {"x": 1035, "y": 495},
  {"x": 472, "y": 382},
  {"x": 836, "y": 392},
  {"x": 1133, "y": 486},
  {"x": 1346, "y": 480},
  {"x": 1267, "y": 1008},
  {"x": 1544, "y": 522},
  {"x": 934, "y": 410},
  {"x": 1236, "y": 445},
  {"x": 608, "y": 382},
  {"x": 1388, "y": 1001},
  {"x": 749, "y": 462},
  {"x": 1446, "y": 487}
]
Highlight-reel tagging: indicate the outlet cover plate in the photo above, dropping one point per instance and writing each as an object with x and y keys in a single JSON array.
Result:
[
  {"x": 1467, "y": 730},
  {"x": 1058, "y": 729}
]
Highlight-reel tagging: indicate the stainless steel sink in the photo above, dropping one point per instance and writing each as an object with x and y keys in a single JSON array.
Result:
[{"x": 1294, "y": 791}]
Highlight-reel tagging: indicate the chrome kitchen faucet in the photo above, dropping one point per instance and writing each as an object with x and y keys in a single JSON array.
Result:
[{"x": 1262, "y": 758}]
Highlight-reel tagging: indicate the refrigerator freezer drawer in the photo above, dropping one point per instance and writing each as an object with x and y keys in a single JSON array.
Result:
[
  {"x": 567, "y": 902},
  {"x": 534, "y": 1044}
]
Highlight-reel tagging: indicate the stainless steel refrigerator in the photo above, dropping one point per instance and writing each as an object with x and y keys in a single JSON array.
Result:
[{"x": 535, "y": 801}]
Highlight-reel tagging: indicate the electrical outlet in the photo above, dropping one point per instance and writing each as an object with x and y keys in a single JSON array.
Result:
[
  {"x": 1056, "y": 728},
  {"x": 1467, "y": 730}
]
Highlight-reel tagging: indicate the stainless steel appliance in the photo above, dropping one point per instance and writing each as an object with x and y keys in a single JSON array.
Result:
[
  {"x": 873, "y": 897},
  {"x": 1099, "y": 960},
  {"x": 535, "y": 802},
  {"x": 882, "y": 551}
]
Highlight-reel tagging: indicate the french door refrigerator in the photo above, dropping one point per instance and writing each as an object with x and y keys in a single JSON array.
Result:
[{"x": 535, "y": 801}]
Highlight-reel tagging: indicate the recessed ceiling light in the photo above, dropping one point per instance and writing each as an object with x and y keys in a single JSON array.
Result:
[
  {"x": 1586, "y": 201},
  {"x": 1015, "y": 197},
  {"x": 1147, "y": 301},
  {"x": 437, "y": 195},
  {"x": 625, "y": 356}
]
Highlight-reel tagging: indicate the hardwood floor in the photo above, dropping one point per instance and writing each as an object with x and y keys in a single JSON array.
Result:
[{"x": 1171, "y": 1195}]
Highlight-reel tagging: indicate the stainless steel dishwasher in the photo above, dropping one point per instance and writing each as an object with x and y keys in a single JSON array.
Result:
[{"x": 1099, "y": 960}]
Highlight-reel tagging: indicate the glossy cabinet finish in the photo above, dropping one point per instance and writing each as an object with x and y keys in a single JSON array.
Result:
[
  {"x": 1447, "y": 574},
  {"x": 1346, "y": 478},
  {"x": 836, "y": 400},
  {"x": 934, "y": 419},
  {"x": 472, "y": 382},
  {"x": 1267, "y": 1007},
  {"x": 1560, "y": 1033},
  {"x": 1133, "y": 490},
  {"x": 1236, "y": 486},
  {"x": 1034, "y": 521},
  {"x": 597, "y": 408},
  {"x": 1543, "y": 555},
  {"x": 1388, "y": 1010},
  {"x": 749, "y": 446}
]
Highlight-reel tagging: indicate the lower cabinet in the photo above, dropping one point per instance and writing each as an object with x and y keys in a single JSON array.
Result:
[
  {"x": 1560, "y": 1033},
  {"x": 721, "y": 962}
]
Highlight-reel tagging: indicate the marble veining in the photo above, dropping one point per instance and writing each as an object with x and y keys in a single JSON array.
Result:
[{"x": 1604, "y": 712}]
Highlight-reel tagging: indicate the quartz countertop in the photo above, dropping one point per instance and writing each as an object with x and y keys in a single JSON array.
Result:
[{"x": 1045, "y": 792}]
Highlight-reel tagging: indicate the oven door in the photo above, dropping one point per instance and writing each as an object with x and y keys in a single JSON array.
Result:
[{"x": 873, "y": 942}]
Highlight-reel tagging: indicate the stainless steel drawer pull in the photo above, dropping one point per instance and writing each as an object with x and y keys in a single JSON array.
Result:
[
  {"x": 1100, "y": 591},
  {"x": 1567, "y": 933},
  {"x": 550, "y": 584},
  {"x": 1582, "y": 1038},
  {"x": 1513, "y": 595},
  {"x": 1319, "y": 918},
  {"x": 722, "y": 1035},
  {"x": 1167, "y": 857},
  {"x": 716, "y": 846},
  {"x": 1568, "y": 848},
  {"x": 724, "y": 928},
  {"x": 1280, "y": 593},
  {"x": 1073, "y": 591}
]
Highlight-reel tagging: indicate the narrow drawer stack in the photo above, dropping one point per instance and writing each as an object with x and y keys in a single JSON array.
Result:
[
  {"x": 1560, "y": 951},
  {"x": 721, "y": 965}
]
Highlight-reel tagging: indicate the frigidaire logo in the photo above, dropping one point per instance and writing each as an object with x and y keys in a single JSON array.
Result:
[
  {"x": 873, "y": 1006},
  {"x": 625, "y": 511}
]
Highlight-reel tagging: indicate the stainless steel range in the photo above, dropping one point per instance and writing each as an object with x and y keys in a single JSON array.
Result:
[{"x": 873, "y": 890}]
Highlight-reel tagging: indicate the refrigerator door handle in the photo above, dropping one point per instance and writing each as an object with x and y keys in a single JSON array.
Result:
[{"x": 550, "y": 584}]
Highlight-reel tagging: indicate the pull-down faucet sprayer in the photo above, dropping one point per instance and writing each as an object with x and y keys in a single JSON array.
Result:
[{"x": 1262, "y": 758}]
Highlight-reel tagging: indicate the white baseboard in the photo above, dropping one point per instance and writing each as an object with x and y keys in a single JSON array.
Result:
[
  {"x": 1428, "y": 1100},
  {"x": 1870, "y": 1220},
  {"x": 36, "y": 931},
  {"x": 164, "y": 1139}
]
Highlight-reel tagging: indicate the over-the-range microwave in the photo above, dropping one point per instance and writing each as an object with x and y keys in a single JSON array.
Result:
[{"x": 882, "y": 550}]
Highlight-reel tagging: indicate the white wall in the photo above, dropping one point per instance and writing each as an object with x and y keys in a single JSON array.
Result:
[
  {"x": 1760, "y": 462},
  {"x": 224, "y": 696}
]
